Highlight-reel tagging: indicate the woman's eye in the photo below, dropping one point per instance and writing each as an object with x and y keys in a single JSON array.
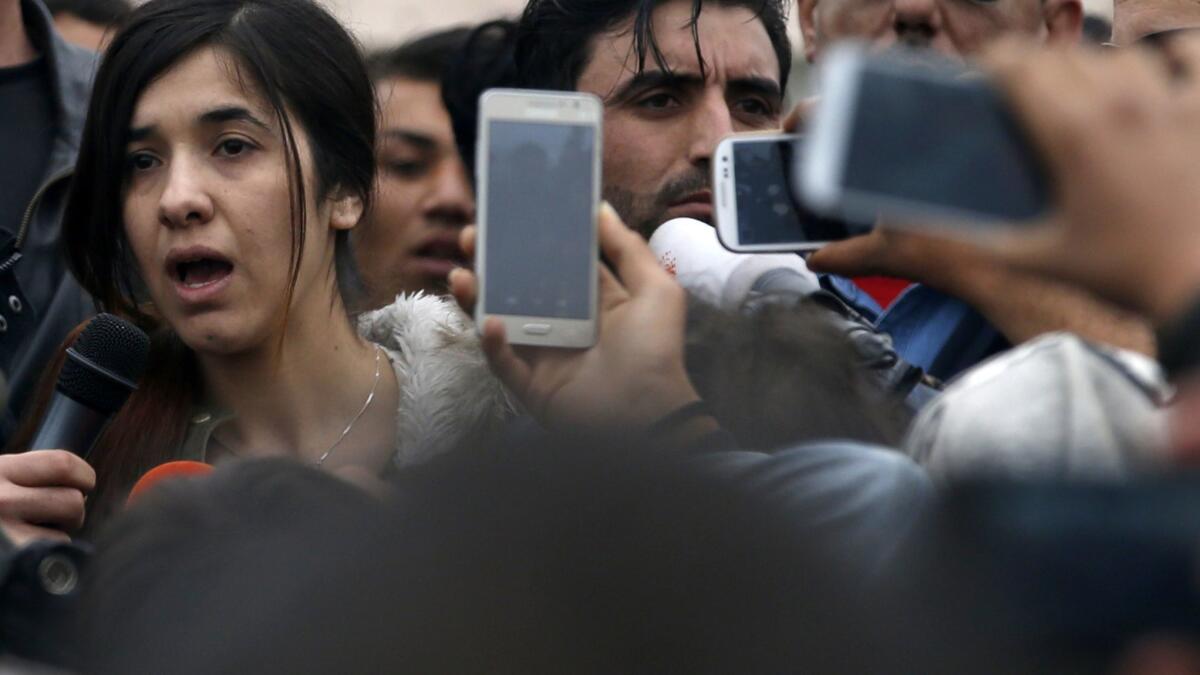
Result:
[
  {"x": 233, "y": 147},
  {"x": 142, "y": 161}
]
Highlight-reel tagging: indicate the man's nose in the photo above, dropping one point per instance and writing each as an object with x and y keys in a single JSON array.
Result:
[
  {"x": 712, "y": 122},
  {"x": 450, "y": 198},
  {"x": 184, "y": 200}
]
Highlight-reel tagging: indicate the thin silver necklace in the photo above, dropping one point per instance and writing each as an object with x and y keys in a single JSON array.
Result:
[{"x": 366, "y": 404}]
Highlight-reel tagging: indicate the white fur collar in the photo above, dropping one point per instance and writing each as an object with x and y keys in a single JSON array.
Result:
[{"x": 447, "y": 392}]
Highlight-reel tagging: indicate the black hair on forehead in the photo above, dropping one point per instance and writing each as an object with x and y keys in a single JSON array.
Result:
[
  {"x": 424, "y": 58},
  {"x": 645, "y": 43},
  {"x": 555, "y": 37}
]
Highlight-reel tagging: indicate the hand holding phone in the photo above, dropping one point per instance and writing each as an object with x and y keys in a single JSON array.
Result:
[
  {"x": 635, "y": 372},
  {"x": 1118, "y": 130}
]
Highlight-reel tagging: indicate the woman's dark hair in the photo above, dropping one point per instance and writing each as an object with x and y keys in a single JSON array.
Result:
[
  {"x": 297, "y": 56},
  {"x": 310, "y": 71},
  {"x": 554, "y": 37}
]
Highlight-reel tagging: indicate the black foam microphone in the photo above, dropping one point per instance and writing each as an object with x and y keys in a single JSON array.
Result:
[{"x": 101, "y": 370}]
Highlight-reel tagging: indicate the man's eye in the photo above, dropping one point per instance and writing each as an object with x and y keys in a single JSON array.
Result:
[
  {"x": 232, "y": 147},
  {"x": 754, "y": 106},
  {"x": 659, "y": 101},
  {"x": 407, "y": 169}
]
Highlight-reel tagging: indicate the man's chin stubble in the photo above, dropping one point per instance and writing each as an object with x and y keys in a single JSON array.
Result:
[{"x": 640, "y": 212}]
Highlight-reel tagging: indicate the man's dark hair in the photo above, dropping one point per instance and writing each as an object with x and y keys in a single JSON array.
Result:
[
  {"x": 484, "y": 62},
  {"x": 423, "y": 59},
  {"x": 554, "y": 37},
  {"x": 786, "y": 374},
  {"x": 101, "y": 12}
]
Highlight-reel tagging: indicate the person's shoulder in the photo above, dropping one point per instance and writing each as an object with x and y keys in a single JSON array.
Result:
[
  {"x": 76, "y": 64},
  {"x": 1056, "y": 404},
  {"x": 829, "y": 470},
  {"x": 74, "y": 70}
]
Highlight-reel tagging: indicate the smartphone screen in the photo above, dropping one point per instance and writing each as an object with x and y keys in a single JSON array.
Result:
[
  {"x": 540, "y": 212},
  {"x": 944, "y": 140},
  {"x": 768, "y": 212}
]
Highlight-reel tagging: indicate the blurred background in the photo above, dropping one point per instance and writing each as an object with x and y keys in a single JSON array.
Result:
[{"x": 379, "y": 22}]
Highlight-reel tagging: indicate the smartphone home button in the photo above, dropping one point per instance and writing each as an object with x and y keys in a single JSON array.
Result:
[{"x": 536, "y": 328}]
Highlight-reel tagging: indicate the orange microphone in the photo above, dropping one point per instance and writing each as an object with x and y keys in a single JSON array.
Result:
[{"x": 166, "y": 472}]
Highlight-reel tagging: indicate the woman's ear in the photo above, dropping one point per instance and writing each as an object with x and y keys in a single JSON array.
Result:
[{"x": 346, "y": 209}]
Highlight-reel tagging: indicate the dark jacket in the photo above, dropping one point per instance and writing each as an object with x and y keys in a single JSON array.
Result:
[{"x": 40, "y": 302}]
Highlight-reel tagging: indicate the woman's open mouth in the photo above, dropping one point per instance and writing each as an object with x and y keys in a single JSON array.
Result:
[{"x": 198, "y": 273}]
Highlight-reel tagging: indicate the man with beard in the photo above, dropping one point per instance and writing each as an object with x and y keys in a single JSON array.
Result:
[
  {"x": 675, "y": 77},
  {"x": 674, "y": 80},
  {"x": 678, "y": 75}
]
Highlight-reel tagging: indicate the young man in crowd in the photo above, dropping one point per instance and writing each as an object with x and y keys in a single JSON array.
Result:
[
  {"x": 88, "y": 23},
  {"x": 409, "y": 240}
]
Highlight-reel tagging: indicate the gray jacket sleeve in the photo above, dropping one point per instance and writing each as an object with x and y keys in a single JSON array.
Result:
[{"x": 858, "y": 502}]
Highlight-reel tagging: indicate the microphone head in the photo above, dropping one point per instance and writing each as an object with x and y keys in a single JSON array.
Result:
[
  {"x": 104, "y": 363},
  {"x": 166, "y": 472},
  {"x": 689, "y": 249}
]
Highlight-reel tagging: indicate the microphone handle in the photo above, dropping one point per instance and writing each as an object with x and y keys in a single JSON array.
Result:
[{"x": 69, "y": 425}]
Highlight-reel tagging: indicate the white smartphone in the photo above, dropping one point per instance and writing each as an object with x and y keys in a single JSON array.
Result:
[
  {"x": 756, "y": 206},
  {"x": 538, "y": 177},
  {"x": 915, "y": 138}
]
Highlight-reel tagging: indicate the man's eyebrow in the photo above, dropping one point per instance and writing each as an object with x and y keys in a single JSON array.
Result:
[
  {"x": 421, "y": 140},
  {"x": 763, "y": 86},
  {"x": 653, "y": 79}
]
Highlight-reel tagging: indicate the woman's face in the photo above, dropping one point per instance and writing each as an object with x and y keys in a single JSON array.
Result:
[{"x": 207, "y": 209}]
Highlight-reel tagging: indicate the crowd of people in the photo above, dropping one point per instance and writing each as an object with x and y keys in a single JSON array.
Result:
[{"x": 989, "y": 472}]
